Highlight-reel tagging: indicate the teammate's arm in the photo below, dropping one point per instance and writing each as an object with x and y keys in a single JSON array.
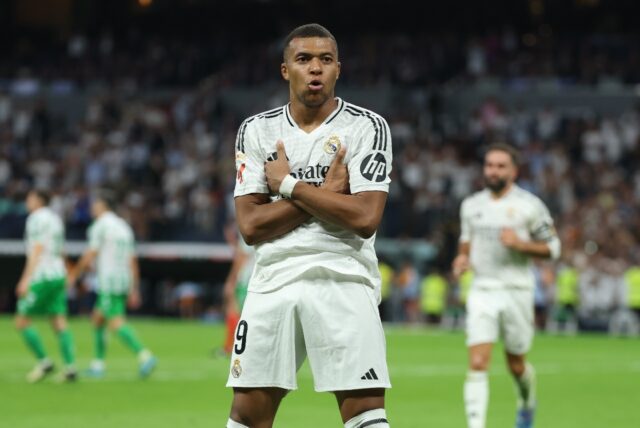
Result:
[
  {"x": 530, "y": 248},
  {"x": 544, "y": 243},
  {"x": 32, "y": 261},
  {"x": 461, "y": 262}
]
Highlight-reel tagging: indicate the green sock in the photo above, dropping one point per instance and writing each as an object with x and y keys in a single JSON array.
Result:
[
  {"x": 34, "y": 343},
  {"x": 129, "y": 338},
  {"x": 100, "y": 342},
  {"x": 66, "y": 347}
]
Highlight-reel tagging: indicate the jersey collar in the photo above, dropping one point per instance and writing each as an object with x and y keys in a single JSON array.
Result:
[{"x": 333, "y": 115}]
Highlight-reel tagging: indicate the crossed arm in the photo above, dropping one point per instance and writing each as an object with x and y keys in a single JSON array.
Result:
[{"x": 260, "y": 220}]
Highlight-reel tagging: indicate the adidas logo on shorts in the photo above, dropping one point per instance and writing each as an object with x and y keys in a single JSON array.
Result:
[{"x": 370, "y": 375}]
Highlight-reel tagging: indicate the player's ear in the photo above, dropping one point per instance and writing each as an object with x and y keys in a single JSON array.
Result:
[
  {"x": 339, "y": 68},
  {"x": 284, "y": 71}
]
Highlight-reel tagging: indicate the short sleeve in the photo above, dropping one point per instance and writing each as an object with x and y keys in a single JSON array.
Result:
[
  {"x": 250, "y": 177},
  {"x": 465, "y": 224},
  {"x": 541, "y": 225},
  {"x": 95, "y": 237},
  {"x": 34, "y": 230},
  {"x": 370, "y": 166}
]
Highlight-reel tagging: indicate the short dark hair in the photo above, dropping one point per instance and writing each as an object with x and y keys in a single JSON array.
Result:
[
  {"x": 108, "y": 197},
  {"x": 42, "y": 194},
  {"x": 305, "y": 31},
  {"x": 506, "y": 148}
]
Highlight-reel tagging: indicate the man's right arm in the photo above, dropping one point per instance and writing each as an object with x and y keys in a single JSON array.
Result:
[
  {"x": 260, "y": 220},
  {"x": 461, "y": 263}
]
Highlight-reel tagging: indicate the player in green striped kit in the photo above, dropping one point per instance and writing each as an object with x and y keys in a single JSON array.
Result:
[
  {"x": 41, "y": 289},
  {"x": 111, "y": 244}
]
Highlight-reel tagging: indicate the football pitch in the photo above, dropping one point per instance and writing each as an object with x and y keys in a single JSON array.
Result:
[{"x": 583, "y": 382}]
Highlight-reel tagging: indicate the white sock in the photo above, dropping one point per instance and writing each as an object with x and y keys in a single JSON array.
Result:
[
  {"x": 233, "y": 424},
  {"x": 526, "y": 387},
  {"x": 376, "y": 418},
  {"x": 476, "y": 398}
]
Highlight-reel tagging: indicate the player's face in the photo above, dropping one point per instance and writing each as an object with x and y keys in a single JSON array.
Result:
[
  {"x": 311, "y": 67},
  {"x": 32, "y": 202},
  {"x": 97, "y": 207},
  {"x": 499, "y": 170}
]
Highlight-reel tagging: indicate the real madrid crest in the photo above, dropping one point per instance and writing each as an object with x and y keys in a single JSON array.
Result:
[
  {"x": 236, "y": 369},
  {"x": 332, "y": 145}
]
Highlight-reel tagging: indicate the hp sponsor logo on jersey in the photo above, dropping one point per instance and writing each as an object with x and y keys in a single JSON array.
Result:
[{"x": 374, "y": 167}]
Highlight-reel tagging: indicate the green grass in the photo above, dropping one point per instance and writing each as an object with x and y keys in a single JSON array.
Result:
[{"x": 584, "y": 382}]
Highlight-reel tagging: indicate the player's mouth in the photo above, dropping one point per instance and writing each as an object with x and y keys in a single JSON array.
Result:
[{"x": 315, "y": 85}]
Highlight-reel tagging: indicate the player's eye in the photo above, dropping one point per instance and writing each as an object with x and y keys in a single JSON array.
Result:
[{"x": 327, "y": 59}]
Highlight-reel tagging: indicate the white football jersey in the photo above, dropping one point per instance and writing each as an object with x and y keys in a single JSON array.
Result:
[
  {"x": 315, "y": 248},
  {"x": 113, "y": 239},
  {"x": 482, "y": 220},
  {"x": 45, "y": 227}
]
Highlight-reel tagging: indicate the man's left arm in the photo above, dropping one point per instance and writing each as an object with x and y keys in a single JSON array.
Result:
[
  {"x": 33, "y": 257},
  {"x": 360, "y": 213},
  {"x": 544, "y": 243}
]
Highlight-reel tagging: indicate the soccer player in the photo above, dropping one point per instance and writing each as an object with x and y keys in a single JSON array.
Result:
[
  {"x": 41, "y": 289},
  {"x": 311, "y": 186},
  {"x": 502, "y": 228},
  {"x": 111, "y": 241}
]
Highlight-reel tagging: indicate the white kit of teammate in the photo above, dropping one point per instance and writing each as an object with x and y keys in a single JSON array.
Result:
[
  {"x": 502, "y": 228},
  {"x": 497, "y": 268}
]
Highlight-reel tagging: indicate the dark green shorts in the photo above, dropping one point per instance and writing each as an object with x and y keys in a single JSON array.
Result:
[{"x": 44, "y": 298}]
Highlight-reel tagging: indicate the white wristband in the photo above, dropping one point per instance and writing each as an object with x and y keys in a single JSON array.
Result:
[{"x": 287, "y": 185}]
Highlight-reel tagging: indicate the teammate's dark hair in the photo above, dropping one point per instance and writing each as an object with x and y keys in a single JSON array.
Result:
[
  {"x": 305, "y": 31},
  {"x": 43, "y": 195},
  {"x": 503, "y": 147},
  {"x": 108, "y": 197}
]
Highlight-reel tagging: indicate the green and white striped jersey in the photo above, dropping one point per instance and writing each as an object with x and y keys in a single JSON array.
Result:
[
  {"x": 45, "y": 227},
  {"x": 113, "y": 239}
]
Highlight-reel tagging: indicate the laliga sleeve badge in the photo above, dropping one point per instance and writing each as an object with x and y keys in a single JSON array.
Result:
[
  {"x": 240, "y": 166},
  {"x": 332, "y": 145},
  {"x": 236, "y": 370}
]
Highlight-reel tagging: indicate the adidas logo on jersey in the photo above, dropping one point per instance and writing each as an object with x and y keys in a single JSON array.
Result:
[{"x": 370, "y": 375}]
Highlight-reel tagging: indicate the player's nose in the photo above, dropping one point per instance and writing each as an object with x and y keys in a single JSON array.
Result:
[{"x": 315, "y": 66}]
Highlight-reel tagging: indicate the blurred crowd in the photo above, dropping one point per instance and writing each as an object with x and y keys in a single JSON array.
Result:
[
  {"x": 134, "y": 60},
  {"x": 168, "y": 161}
]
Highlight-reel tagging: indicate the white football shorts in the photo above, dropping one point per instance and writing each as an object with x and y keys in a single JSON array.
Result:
[
  {"x": 337, "y": 325},
  {"x": 506, "y": 313}
]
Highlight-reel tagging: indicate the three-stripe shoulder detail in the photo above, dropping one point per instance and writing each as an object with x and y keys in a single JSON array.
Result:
[
  {"x": 269, "y": 114},
  {"x": 380, "y": 127}
]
